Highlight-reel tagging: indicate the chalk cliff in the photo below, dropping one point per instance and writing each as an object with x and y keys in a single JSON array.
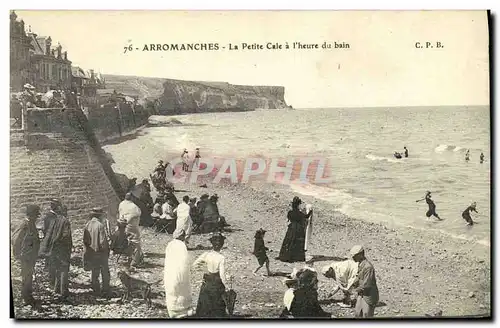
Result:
[
  {"x": 179, "y": 97},
  {"x": 193, "y": 97}
]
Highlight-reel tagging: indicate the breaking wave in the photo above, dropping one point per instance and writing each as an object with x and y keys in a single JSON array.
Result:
[
  {"x": 443, "y": 148},
  {"x": 380, "y": 158}
]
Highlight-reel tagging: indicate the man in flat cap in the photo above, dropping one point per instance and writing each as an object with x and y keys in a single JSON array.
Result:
[
  {"x": 56, "y": 248},
  {"x": 367, "y": 289},
  {"x": 96, "y": 254},
  {"x": 54, "y": 210},
  {"x": 25, "y": 248}
]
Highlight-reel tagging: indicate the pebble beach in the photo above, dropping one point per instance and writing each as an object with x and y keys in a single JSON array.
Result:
[{"x": 418, "y": 272}]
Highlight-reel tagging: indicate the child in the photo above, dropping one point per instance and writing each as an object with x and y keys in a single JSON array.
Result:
[{"x": 259, "y": 251}]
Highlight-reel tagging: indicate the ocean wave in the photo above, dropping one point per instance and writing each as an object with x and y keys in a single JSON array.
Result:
[
  {"x": 452, "y": 148},
  {"x": 334, "y": 196},
  {"x": 380, "y": 158}
]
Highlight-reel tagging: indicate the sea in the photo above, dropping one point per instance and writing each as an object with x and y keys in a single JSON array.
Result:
[{"x": 368, "y": 182}]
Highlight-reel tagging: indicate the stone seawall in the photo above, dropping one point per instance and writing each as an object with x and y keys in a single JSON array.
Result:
[
  {"x": 60, "y": 157},
  {"x": 111, "y": 121}
]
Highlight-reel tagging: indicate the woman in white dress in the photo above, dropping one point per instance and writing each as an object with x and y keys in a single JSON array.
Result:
[
  {"x": 177, "y": 277},
  {"x": 211, "y": 302}
]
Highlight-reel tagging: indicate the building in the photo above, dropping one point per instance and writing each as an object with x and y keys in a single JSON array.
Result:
[
  {"x": 86, "y": 82},
  {"x": 20, "y": 46},
  {"x": 50, "y": 67}
]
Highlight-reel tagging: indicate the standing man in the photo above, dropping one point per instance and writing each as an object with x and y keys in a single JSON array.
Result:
[
  {"x": 97, "y": 252},
  {"x": 367, "y": 289},
  {"x": 185, "y": 159},
  {"x": 197, "y": 157},
  {"x": 183, "y": 219},
  {"x": 130, "y": 214},
  {"x": 51, "y": 215},
  {"x": 56, "y": 247},
  {"x": 25, "y": 248},
  {"x": 406, "y": 151},
  {"x": 55, "y": 208}
]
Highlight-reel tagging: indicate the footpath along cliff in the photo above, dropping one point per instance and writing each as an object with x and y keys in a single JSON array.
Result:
[{"x": 181, "y": 97}]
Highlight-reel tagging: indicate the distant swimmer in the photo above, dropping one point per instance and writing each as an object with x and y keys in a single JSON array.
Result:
[
  {"x": 466, "y": 213},
  {"x": 481, "y": 158},
  {"x": 406, "y": 151},
  {"x": 432, "y": 206},
  {"x": 397, "y": 155},
  {"x": 467, "y": 155}
]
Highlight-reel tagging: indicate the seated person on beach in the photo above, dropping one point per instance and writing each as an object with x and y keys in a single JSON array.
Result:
[
  {"x": 397, "y": 155},
  {"x": 466, "y": 213},
  {"x": 301, "y": 301},
  {"x": 169, "y": 216},
  {"x": 212, "y": 220},
  {"x": 344, "y": 273},
  {"x": 159, "y": 221}
]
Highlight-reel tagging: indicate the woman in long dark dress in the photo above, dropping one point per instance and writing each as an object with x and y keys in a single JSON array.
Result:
[
  {"x": 292, "y": 249},
  {"x": 211, "y": 302}
]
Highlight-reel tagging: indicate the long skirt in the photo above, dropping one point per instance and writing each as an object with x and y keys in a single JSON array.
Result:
[
  {"x": 211, "y": 300},
  {"x": 292, "y": 249}
]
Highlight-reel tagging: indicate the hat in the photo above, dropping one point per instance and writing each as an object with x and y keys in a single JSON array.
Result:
[
  {"x": 217, "y": 237},
  {"x": 260, "y": 232},
  {"x": 97, "y": 210},
  {"x": 29, "y": 86},
  {"x": 192, "y": 199},
  {"x": 204, "y": 196},
  {"x": 160, "y": 161},
  {"x": 427, "y": 192},
  {"x": 32, "y": 209},
  {"x": 296, "y": 200},
  {"x": 355, "y": 250},
  {"x": 307, "y": 276}
]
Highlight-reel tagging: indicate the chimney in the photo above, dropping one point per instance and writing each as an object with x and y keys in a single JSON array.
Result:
[
  {"x": 65, "y": 55},
  {"x": 48, "y": 43},
  {"x": 92, "y": 76}
]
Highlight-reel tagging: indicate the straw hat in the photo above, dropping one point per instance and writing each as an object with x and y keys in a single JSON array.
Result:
[{"x": 355, "y": 250}]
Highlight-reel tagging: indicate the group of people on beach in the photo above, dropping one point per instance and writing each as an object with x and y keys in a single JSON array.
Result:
[{"x": 51, "y": 239}]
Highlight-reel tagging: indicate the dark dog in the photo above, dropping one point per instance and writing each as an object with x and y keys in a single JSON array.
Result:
[{"x": 132, "y": 284}]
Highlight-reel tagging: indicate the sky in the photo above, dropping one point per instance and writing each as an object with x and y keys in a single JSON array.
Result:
[{"x": 382, "y": 67}]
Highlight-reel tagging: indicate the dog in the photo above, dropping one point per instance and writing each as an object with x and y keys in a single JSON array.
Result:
[{"x": 132, "y": 284}]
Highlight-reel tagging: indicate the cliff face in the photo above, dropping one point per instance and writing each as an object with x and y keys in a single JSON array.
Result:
[
  {"x": 179, "y": 97},
  {"x": 192, "y": 97}
]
